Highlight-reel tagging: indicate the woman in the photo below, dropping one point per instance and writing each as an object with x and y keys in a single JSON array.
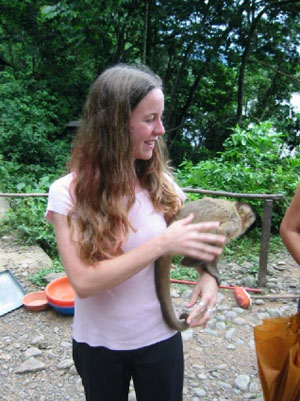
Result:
[
  {"x": 290, "y": 227},
  {"x": 110, "y": 215}
]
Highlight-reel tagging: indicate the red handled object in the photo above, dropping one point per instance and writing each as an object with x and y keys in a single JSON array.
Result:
[{"x": 242, "y": 297}]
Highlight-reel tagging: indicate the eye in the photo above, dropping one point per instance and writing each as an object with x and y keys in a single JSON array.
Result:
[{"x": 150, "y": 118}]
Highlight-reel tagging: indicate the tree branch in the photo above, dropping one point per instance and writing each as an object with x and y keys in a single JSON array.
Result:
[{"x": 253, "y": 60}]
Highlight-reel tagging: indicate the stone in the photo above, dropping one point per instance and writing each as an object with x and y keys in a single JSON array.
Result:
[
  {"x": 230, "y": 315},
  {"x": 187, "y": 334},
  {"x": 52, "y": 276},
  {"x": 230, "y": 333},
  {"x": 31, "y": 365},
  {"x": 29, "y": 257},
  {"x": 199, "y": 392},
  {"x": 65, "y": 364},
  {"x": 242, "y": 382},
  {"x": 32, "y": 351}
]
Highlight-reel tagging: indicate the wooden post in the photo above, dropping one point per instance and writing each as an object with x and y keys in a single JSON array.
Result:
[{"x": 264, "y": 245}]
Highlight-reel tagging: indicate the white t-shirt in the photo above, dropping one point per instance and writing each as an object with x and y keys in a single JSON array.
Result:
[{"x": 127, "y": 316}]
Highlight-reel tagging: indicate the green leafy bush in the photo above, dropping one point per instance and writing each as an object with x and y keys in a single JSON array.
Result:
[
  {"x": 32, "y": 155},
  {"x": 30, "y": 126},
  {"x": 26, "y": 217},
  {"x": 254, "y": 161}
]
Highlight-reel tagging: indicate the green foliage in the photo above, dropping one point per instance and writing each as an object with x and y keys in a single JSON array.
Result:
[
  {"x": 26, "y": 217},
  {"x": 254, "y": 161},
  {"x": 30, "y": 126},
  {"x": 39, "y": 277},
  {"x": 197, "y": 47}
]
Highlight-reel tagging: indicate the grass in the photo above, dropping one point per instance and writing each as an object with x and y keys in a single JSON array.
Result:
[{"x": 39, "y": 277}]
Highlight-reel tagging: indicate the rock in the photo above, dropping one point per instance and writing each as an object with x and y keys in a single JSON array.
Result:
[
  {"x": 263, "y": 315},
  {"x": 187, "y": 293},
  {"x": 174, "y": 293},
  {"x": 32, "y": 351},
  {"x": 210, "y": 331},
  {"x": 66, "y": 344},
  {"x": 221, "y": 325},
  {"x": 37, "y": 340},
  {"x": 187, "y": 334},
  {"x": 239, "y": 321},
  {"x": 230, "y": 333},
  {"x": 65, "y": 364},
  {"x": 52, "y": 276},
  {"x": 249, "y": 281},
  {"x": 31, "y": 365},
  {"x": 253, "y": 387},
  {"x": 199, "y": 392},
  {"x": 274, "y": 312},
  {"x": 230, "y": 315},
  {"x": 279, "y": 267},
  {"x": 29, "y": 258},
  {"x": 242, "y": 382},
  {"x": 225, "y": 385}
]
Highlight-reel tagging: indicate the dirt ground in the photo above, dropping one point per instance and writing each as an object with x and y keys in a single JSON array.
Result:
[{"x": 215, "y": 358}]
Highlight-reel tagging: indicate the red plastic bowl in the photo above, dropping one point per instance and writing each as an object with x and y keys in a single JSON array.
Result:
[
  {"x": 60, "y": 292},
  {"x": 35, "y": 301}
]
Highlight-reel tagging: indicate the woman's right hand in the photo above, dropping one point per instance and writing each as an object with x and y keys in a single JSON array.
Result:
[{"x": 195, "y": 240}]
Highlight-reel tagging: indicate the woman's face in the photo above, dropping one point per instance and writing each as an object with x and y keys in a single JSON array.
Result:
[{"x": 145, "y": 124}]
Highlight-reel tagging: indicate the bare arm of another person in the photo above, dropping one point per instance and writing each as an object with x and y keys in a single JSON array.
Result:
[
  {"x": 180, "y": 238},
  {"x": 290, "y": 227}
]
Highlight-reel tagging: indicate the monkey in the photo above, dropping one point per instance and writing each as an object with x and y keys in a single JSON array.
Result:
[{"x": 234, "y": 217}]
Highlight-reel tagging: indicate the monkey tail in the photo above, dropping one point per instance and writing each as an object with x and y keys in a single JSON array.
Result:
[{"x": 162, "y": 283}]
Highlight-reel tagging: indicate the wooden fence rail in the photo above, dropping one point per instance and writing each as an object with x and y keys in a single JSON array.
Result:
[{"x": 266, "y": 220}]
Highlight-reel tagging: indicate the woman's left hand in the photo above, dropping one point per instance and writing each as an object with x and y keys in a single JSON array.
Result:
[{"x": 207, "y": 289}]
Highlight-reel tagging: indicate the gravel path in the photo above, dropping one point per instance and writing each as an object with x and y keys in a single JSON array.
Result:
[{"x": 35, "y": 347}]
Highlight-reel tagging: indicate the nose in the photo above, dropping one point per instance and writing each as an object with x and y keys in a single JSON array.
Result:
[{"x": 159, "y": 128}]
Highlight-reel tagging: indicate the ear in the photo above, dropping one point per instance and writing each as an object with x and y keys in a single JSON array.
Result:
[{"x": 246, "y": 213}]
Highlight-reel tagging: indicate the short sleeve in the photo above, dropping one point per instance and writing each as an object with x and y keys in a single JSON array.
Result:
[
  {"x": 180, "y": 192},
  {"x": 59, "y": 197}
]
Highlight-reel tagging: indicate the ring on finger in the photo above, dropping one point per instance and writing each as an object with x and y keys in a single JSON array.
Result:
[{"x": 203, "y": 306}]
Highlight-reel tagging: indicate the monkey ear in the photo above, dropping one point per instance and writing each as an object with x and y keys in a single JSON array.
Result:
[
  {"x": 244, "y": 209},
  {"x": 246, "y": 213}
]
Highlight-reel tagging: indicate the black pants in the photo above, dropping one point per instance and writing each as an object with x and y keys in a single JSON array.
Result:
[{"x": 156, "y": 370}]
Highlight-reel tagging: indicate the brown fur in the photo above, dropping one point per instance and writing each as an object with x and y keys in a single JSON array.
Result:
[{"x": 234, "y": 217}]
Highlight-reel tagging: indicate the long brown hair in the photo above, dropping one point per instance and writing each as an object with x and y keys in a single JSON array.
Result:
[{"x": 105, "y": 177}]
